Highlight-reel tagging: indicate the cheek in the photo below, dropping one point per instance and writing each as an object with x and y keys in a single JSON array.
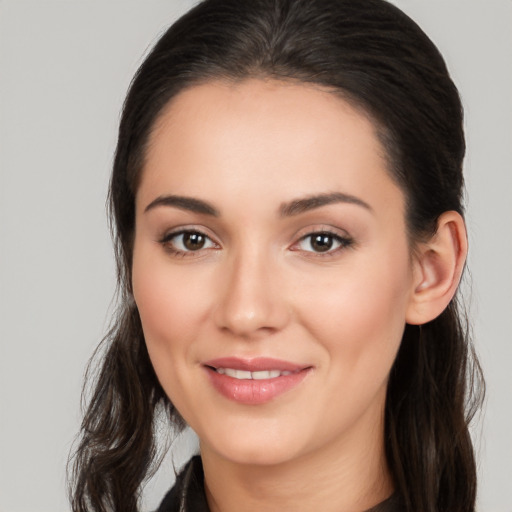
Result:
[
  {"x": 359, "y": 314},
  {"x": 172, "y": 311},
  {"x": 172, "y": 307}
]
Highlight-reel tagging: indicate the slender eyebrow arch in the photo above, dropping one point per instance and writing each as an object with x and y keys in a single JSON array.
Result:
[
  {"x": 298, "y": 206},
  {"x": 183, "y": 203}
]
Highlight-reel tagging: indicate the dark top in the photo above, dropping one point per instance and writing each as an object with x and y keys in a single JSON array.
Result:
[{"x": 188, "y": 494}]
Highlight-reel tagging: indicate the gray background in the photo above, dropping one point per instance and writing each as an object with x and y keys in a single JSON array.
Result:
[{"x": 64, "y": 68}]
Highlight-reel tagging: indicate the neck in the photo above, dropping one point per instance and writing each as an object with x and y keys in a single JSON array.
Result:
[{"x": 350, "y": 475}]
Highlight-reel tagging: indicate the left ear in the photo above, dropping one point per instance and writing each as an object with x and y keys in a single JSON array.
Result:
[{"x": 438, "y": 265}]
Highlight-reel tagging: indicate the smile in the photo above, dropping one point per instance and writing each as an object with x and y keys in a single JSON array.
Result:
[
  {"x": 245, "y": 374},
  {"x": 254, "y": 381}
]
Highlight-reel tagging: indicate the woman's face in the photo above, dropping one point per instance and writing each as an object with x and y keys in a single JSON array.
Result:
[{"x": 271, "y": 269}]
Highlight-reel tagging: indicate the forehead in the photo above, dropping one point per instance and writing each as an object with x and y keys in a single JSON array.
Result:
[
  {"x": 265, "y": 137},
  {"x": 279, "y": 107}
]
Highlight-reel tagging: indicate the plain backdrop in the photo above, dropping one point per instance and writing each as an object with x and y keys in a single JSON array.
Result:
[{"x": 64, "y": 69}]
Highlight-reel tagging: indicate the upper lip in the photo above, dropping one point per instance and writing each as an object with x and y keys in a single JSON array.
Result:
[{"x": 255, "y": 364}]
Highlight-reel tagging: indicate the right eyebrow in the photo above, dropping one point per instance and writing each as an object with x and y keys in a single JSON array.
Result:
[{"x": 183, "y": 203}]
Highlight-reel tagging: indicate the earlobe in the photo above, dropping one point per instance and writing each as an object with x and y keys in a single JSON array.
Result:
[{"x": 438, "y": 267}]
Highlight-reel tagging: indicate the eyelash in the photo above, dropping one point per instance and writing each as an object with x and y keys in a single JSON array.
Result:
[
  {"x": 343, "y": 241},
  {"x": 167, "y": 242}
]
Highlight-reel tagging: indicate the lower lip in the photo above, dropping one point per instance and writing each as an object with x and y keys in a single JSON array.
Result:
[{"x": 254, "y": 392}]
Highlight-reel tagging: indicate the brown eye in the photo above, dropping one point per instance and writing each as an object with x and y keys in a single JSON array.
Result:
[
  {"x": 185, "y": 242},
  {"x": 322, "y": 242},
  {"x": 193, "y": 241}
]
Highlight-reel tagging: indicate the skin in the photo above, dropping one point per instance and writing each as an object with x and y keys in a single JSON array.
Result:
[{"x": 258, "y": 288}]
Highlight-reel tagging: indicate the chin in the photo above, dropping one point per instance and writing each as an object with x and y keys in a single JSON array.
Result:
[{"x": 254, "y": 446}]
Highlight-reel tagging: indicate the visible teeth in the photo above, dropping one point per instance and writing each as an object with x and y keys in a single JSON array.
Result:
[
  {"x": 259, "y": 375},
  {"x": 237, "y": 374},
  {"x": 266, "y": 374}
]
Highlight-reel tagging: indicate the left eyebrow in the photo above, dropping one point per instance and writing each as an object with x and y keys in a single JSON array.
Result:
[{"x": 297, "y": 206}]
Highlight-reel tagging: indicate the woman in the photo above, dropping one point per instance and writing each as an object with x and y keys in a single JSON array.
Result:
[{"x": 286, "y": 203}]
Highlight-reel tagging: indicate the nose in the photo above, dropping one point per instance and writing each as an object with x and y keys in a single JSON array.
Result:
[{"x": 252, "y": 301}]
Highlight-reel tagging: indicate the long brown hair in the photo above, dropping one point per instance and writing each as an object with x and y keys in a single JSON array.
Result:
[{"x": 378, "y": 59}]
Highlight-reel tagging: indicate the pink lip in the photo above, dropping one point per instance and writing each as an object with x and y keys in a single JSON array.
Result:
[{"x": 254, "y": 392}]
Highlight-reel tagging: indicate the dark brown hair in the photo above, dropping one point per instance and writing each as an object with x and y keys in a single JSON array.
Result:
[{"x": 377, "y": 58}]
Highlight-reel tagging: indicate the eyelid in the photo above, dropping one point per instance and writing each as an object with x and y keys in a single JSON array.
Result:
[
  {"x": 185, "y": 228},
  {"x": 167, "y": 237},
  {"x": 341, "y": 236}
]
